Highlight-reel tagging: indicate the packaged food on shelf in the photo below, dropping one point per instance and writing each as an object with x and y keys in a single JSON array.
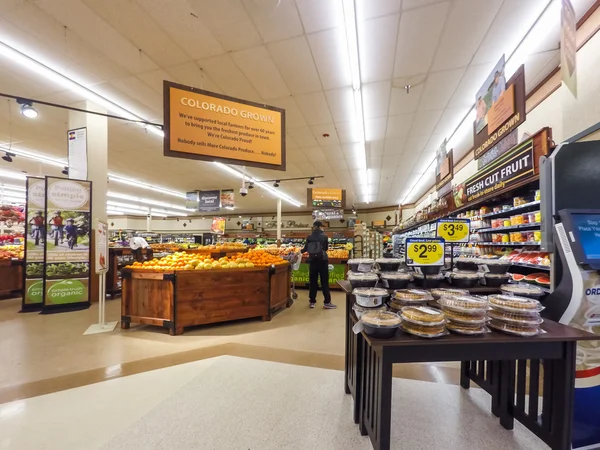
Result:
[
  {"x": 463, "y": 263},
  {"x": 505, "y": 222},
  {"x": 445, "y": 292},
  {"x": 496, "y": 279},
  {"x": 388, "y": 264},
  {"x": 478, "y": 318},
  {"x": 380, "y": 324},
  {"x": 484, "y": 210},
  {"x": 537, "y": 236},
  {"x": 467, "y": 303},
  {"x": 370, "y": 297},
  {"x": 494, "y": 265},
  {"x": 361, "y": 264},
  {"x": 464, "y": 279},
  {"x": 538, "y": 217},
  {"x": 360, "y": 310},
  {"x": 514, "y": 328},
  {"x": 395, "y": 280},
  {"x": 533, "y": 319},
  {"x": 424, "y": 331},
  {"x": 409, "y": 297},
  {"x": 497, "y": 209},
  {"x": 468, "y": 329},
  {"x": 428, "y": 281},
  {"x": 538, "y": 195},
  {"x": 422, "y": 315},
  {"x": 518, "y": 201},
  {"x": 522, "y": 290},
  {"x": 512, "y": 303},
  {"x": 358, "y": 279}
]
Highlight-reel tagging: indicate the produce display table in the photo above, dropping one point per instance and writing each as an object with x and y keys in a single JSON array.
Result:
[
  {"x": 515, "y": 370},
  {"x": 183, "y": 298},
  {"x": 214, "y": 254},
  {"x": 338, "y": 273},
  {"x": 11, "y": 276}
]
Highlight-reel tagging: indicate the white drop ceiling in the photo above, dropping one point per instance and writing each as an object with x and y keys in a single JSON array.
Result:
[{"x": 289, "y": 53}]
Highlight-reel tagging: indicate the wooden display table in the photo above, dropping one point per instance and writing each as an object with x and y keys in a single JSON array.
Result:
[
  {"x": 11, "y": 276},
  {"x": 183, "y": 298},
  {"x": 213, "y": 254},
  {"x": 113, "y": 277},
  {"x": 368, "y": 375}
]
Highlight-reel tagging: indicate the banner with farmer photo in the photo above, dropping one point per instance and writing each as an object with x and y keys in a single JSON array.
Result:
[
  {"x": 35, "y": 226},
  {"x": 67, "y": 248}
]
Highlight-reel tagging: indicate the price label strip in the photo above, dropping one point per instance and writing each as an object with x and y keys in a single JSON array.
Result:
[
  {"x": 424, "y": 252},
  {"x": 454, "y": 230}
]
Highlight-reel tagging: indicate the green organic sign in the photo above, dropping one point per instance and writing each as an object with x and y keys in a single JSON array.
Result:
[
  {"x": 34, "y": 291},
  {"x": 336, "y": 272},
  {"x": 61, "y": 292}
]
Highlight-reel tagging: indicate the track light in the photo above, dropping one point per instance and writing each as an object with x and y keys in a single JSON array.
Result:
[
  {"x": 311, "y": 181},
  {"x": 276, "y": 184},
  {"x": 27, "y": 108},
  {"x": 8, "y": 157},
  {"x": 251, "y": 186},
  {"x": 65, "y": 171}
]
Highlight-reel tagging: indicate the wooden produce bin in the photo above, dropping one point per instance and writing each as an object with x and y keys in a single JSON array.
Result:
[
  {"x": 11, "y": 277},
  {"x": 185, "y": 298}
]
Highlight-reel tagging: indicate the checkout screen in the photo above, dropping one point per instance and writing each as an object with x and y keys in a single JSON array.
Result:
[{"x": 588, "y": 228}]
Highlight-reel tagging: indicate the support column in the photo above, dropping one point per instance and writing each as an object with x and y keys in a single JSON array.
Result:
[
  {"x": 149, "y": 222},
  {"x": 97, "y": 157},
  {"x": 278, "y": 222}
]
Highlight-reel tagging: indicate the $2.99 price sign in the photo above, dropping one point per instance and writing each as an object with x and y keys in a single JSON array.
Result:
[
  {"x": 424, "y": 252},
  {"x": 454, "y": 230}
]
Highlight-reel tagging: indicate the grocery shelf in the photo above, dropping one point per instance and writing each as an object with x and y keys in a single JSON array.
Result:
[
  {"x": 508, "y": 212},
  {"x": 510, "y": 244},
  {"x": 511, "y": 227},
  {"x": 531, "y": 266}
]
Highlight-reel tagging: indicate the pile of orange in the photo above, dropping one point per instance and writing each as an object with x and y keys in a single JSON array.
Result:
[{"x": 261, "y": 258}]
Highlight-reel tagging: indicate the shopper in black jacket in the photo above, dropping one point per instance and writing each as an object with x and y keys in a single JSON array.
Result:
[{"x": 316, "y": 246}]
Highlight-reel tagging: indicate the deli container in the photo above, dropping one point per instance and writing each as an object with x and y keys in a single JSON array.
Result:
[
  {"x": 464, "y": 279},
  {"x": 360, "y": 310},
  {"x": 522, "y": 290},
  {"x": 515, "y": 328},
  {"x": 529, "y": 319},
  {"x": 468, "y": 318},
  {"x": 512, "y": 303},
  {"x": 495, "y": 279},
  {"x": 395, "y": 280},
  {"x": 467, "y": 303},
  {"x": 370, "y": 297},
  {"x": 423, "y": 315},
  {"x": 380, "y": 324},
  {"x": 468, "y": 329},
  {"x": 424, "y": 331},
  {"x": 361, "y": 264},
  {"x": 442, "y": 292},
  {"x": 494, "y": 265},
  {"x": 428, "y": 281},
  {"x": 388, "y": 264},
  {"x": 357, "y": 279},
  {"x": 409, "y": 297},
  {"x": 466, "y": 264}
]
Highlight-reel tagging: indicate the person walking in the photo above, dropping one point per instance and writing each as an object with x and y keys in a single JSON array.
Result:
[{"x": 316, "y": 246}]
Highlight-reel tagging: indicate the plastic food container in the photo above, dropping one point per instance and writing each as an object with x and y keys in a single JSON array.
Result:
[
  {"x": 531, "y": 320},
  {"x": 538, "y": 217},
  {"x": 516, "y": 304},
  {"x": 360, "y": 310},
  {"x": 466, "y": 264},
  {"x": 506, "y": 222},
  {"x": 537, "y": 236},
  {"x": 430, "y": 281},
  {"x": 424, "y": 332},
  {"x": 465, "y": 318},
  {"x": 466, "y": 303},
  {"x": 496, "y": 279},
  {"x": 495, "y": 265},
  {"x": 380, "y": 324},
  {"x": 464, "y": 280},
  {"x": 388, "y": 264},
  {"x": 395, "y": 280},
  {"x": 423, "y": 315},
  {"x": 362, "y": 279},
  {"x": 522, "y": 290},
  {"x": 518, "y": 201},
  {"x": 515, "y": 329},
  {"x": 361, "y": 264},
  {"x": 409, "y": 297},
  {"x": 370, "y": 297},
  {"x": 462, "y": 328},
  {"x": 442, "y": 292}
]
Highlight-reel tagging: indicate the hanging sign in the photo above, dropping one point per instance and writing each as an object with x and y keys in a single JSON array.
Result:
[
  {"x": 101, "y": 247},
  {"x": 78, "y": 157},
  {"x": 191, "y": 200},
  {"x": 67, "y": 249},
  {"x": 213, "y": 127},
  {"x": 568, "y": 46},
  {"x": 218, "y": 225},
  {"x": 499, "y": 149},
  {"x": 227, "y": 198},
  {"x": 209, "y": 201},
  {"x": 320, "y": 198},
  {"x": 424, "y": 252},
  {"x": 454, "y": 230},
  {"x": 327, "y": 214},
  {"x": 445, "y": 171},
  {"x": 35, "y": 235}
]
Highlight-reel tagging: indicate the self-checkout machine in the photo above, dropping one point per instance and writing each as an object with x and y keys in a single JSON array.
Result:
[{"x": 570, "y": 185}]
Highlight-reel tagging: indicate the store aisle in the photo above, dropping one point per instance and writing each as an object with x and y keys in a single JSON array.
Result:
[{"x": 238, "y": 403}]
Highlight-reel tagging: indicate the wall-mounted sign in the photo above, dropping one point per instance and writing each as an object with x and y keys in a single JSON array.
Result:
[
  {"x": 227, "y": 198},
  {"x": 446, "y": 170},
  {"x": 213, "y": 127},
  {"x": 77, "y": 153},
  {"x": 454, "y": 230},
  {"x": 209, "y": 201},
  {"x": 499, "y": 109},
  {"x": 499, "y": 149},
  {"x": 424, "y": 252},
  {"x": 378, "y": 224},
  {"x": 191, "y": 200},
  {"x": 327, "y": 214},
  {"x": 320, "y": 198},
  {"x": 218, "y": 225},
  {"x": 510, "y": 169}
]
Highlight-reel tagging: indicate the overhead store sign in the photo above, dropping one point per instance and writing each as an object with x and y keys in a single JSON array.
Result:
[
  {"x": 511, "y": 169},
  {"x": 500, "y": 108},
  {"x": 78, "y": 155},
  {"x": 327, "y": 214},
  {"x": 568, "y": 46},
  {"x": 327, "y": 198},
  {"x": 227, "y": 198},
  {"x": 212, "y": 127},
  {"x": 191, "y": 200},
  {"x": 209, "y": 201},
  {"x": 444, "y": 170},
  {"x": 499, "y": 149}
]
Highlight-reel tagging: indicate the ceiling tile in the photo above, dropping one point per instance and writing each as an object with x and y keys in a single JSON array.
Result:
[
  {"x": 347, "y": 132},
  {"x": 403, "y": 103},
  {"x": 192, "y": 75},
  {"x": 341, "y": 104},
  {"x": 259, "y": 68},
  {"x": 375, "y": 129},
  {"x": 228, "y": 77},
  {"x": 439, "y": 88},
  {"x": 376, "y": 99},
  {"x": 303, "y": 136},
  {"x": 330, "y": 52},
  {"x": 369, "y": 9},
  {"x": 377, "y": 46},
  {"x": 314, "y": 108},
  {"x": 318, "y": 15},
  {"x": 274, "y": 20},
  {"x": 325, "y": 134},
  {"x": 293, "y": 116},
  {"x": 399, "y": 126},
  {"x": 295, "y": 63},
  {"x": 425, "y": 121}
]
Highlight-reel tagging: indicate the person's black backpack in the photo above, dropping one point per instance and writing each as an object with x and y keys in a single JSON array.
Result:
[{"x": 315, "y": 250}]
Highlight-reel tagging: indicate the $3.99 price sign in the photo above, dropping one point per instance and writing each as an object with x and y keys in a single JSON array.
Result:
[
  {"x": 454, "y": 230},
  {"x": 424, "y": 252}
]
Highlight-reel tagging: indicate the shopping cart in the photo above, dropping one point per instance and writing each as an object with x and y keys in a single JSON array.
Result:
[{"x": 295, "y": 259}]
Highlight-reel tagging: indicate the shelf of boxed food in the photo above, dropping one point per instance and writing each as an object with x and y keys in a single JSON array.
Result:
[{"x": 508, "y": 211}]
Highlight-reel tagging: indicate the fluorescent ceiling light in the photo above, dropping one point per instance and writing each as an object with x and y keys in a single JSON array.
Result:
[
  {"x": 150, "y": 187},
  {"x": 231, "y": 208},
  {"x": 10, "y": 199},
  {"x": 146, "y": 201},
  {"x": 128, "y": 206},
  {"x": 10, "y": 187},
  {"x": 166, "y": 211},
  {"x": 12, "y": 175},
  {"x": 249, "y": 179},
  {"x": 112, "y": 212},
  {"x": 56, "y": 77},
  {"x": 35, "y": 156}
]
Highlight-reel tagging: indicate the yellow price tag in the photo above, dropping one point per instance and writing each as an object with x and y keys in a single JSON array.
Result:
[
  {"x": 454, "y": 230},
  {"x": 424, "y": 252}
]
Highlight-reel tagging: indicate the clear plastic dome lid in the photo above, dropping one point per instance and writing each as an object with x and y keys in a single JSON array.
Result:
[
  {"x": 370, "y": 292},
  {"x": 381, "y": 319},
  {"x": 395, "y": 276},
  {"x": 358, "y": 276},
  {"x": 361, "y": 261},
  {"x": 389, "y": 260}
]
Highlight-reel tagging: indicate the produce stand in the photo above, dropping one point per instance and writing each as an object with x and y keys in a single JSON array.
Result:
[
  {"x": 300, "y": 276},
  {"x": 184, "y": 298},
  {"x": 117, "y": 259},
  {"x": 215, "y": 254},
  {"x": 520, "y": 365},
  {"x": 11, "y": 274}
]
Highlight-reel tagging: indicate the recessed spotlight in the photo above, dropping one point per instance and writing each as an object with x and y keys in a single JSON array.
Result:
[
  {"x": 27, "y": 108},
  {"x": 311, "y": 181},
  {"x": 276, "y": 184}
]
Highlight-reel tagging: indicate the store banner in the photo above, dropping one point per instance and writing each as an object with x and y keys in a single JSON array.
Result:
[
  {"x": 209, "y": 201},
  {"x": 321, "y": 198},
  {"x": 328, "y": 214},
  {"x": 218, "y": 225},
  {"x": 512, "y": 168},
  {"x": 444, "y": 167},
  {"x": 213, "y": 127},
  {"x": 35, "y": 235},
  {"x": 499, "y": 107},
  {"x": 78, "y": 156},
  {"x": 227, "y": 198},
  {"x": 67, "y": 248},
  {"x": 337, "y": 272},
  {"x": 192, "y": 199},
  {"x": 499, "y": 149},
  {"x": 101, "y": 247},
  {"x": 568, "y": 46}
]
